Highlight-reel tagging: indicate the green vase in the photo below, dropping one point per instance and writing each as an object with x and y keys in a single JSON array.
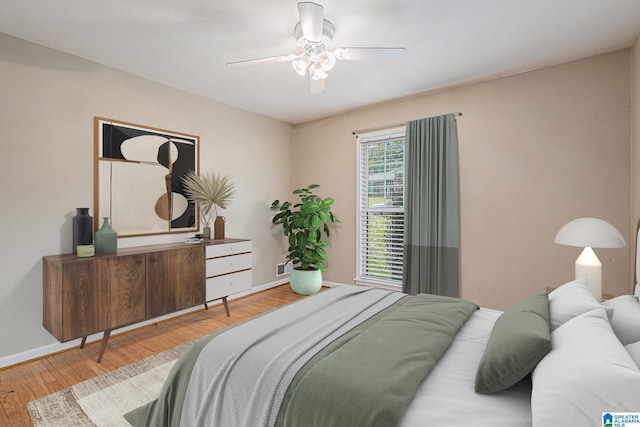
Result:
[
  {"x": 305, "y": 282},
  {"x": 106, "y": 240}
]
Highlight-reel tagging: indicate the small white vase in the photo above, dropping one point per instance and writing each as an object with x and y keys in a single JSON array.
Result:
[{"x": 206, "y": 233}]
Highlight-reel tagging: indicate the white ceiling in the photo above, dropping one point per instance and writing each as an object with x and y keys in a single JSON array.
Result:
[{"x": 186, "y": 43}]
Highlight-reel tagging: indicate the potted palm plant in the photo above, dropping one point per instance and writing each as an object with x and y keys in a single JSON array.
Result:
[
  {"x": 209, "y": 192},
  {"x": 305, "y": 224}
]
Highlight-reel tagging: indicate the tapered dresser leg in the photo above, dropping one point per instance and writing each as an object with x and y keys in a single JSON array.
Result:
[
  {"x": 103, "y": 346},
  {"x": 226, "y": 306}
]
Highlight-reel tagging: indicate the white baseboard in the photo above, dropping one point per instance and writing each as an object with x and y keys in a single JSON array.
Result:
[{"x": 46, "y": 350}]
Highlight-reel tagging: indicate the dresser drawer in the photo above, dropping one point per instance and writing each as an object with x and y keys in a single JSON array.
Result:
[
  {"x": 227, "y": 264},
  {"x": 225, "y": 249},
  {"x": 221, "y": 286}
]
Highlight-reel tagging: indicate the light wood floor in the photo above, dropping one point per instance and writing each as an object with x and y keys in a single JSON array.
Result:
[{"x": 29, "y": 381}]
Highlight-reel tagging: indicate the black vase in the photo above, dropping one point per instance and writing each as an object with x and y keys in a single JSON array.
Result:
[{"x": 82, "y": 228}]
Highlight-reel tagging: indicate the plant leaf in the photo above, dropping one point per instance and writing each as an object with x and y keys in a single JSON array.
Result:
[{"x": 209, "y": 190}]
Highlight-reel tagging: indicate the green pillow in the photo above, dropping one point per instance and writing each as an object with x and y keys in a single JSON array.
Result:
[{"x": 519, "y": 340}]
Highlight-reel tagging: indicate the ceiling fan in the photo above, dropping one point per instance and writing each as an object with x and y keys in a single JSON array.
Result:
[{"x": 315, "y": 35}]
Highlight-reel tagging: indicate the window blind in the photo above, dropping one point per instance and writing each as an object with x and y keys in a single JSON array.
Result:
[{"x": 381, "y": 206}]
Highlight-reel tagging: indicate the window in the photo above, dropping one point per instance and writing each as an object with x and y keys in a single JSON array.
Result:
[{"x": 381, "y": 207}]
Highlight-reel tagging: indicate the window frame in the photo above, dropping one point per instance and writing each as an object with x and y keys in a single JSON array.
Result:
[{"x": 363, "y": 138}]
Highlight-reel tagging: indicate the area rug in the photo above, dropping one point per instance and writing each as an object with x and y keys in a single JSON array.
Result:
[{"x": 102, "y": 401}]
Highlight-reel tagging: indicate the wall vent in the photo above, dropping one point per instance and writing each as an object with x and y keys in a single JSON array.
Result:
[{"x": 283, "y": 268}]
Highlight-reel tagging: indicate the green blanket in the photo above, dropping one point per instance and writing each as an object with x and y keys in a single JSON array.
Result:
[
  {"x": 369, "y": 376},
  {"x": 366, "y": 377}
]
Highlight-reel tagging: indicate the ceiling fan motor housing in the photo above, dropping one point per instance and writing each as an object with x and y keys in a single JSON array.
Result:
[{"x": 328, "y": 31}]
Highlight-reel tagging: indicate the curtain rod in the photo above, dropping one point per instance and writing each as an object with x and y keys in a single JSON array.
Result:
[{"x": 356, "y": 132}]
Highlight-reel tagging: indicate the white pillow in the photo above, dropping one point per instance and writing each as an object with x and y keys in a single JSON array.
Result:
[
  {"x": 571, "y": 300},
  {"x": 634, "y": 352},
  {"x": 626, "y": 318},
  {"x": 587, "y": 372}
]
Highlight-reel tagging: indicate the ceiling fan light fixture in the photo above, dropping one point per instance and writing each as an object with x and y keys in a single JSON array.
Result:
[
  {"x": 300, "y": 64},
  {"x": 327, "y": 60},
  {"x": 316, "y": 71}
]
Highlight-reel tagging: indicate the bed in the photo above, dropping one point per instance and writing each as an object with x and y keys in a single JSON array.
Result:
[{"x": 358, "y": 356}]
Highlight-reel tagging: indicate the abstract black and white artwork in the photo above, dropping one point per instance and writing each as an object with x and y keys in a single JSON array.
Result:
[{"x": 138, "y": 178}]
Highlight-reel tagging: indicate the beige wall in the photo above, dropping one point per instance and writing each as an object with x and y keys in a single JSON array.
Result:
[
  {"x": 47, "y": 107},
  {"x": 537, "y": 149}
]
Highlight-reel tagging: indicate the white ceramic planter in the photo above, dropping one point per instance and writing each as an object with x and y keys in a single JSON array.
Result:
[{"x": 305, "y": 282}]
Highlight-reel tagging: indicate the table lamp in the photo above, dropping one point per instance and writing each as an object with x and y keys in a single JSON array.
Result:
[{"x": 590, "y": 233}]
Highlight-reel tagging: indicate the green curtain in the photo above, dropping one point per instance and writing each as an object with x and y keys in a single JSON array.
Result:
[{"x": 431, "y": 237}]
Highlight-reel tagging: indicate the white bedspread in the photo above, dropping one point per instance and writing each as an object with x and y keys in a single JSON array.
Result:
[{"x": 449, "y": 389}]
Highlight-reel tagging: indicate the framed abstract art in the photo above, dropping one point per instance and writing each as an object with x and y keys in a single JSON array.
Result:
[{"x": 138, "y": 172}]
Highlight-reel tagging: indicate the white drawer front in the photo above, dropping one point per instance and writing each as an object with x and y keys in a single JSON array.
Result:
[
  {"x": 228, "y": 264},
  {"x": 224, "y": 249},
  {"x": 222, "y": 286}
]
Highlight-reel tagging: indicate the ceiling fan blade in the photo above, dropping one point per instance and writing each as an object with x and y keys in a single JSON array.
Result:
[
  {"x": 371, "y": 53},
  {"x": 316, "y": 86},
  {"x": 311, "y": 16},
  {"x": 281, "y": 58}
]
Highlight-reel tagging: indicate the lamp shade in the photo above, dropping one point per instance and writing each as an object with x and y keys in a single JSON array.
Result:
[{"x": 590, "y": 232}]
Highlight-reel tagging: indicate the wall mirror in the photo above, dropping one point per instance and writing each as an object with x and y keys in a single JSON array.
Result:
[{"x": 138, "y": 173}]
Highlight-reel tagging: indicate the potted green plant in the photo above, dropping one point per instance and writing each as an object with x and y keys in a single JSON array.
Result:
[
  {"x": 209, "y": 192},
  {"x": 305, "y": 224}
]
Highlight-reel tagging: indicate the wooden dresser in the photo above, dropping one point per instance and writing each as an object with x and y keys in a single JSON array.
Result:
[{"x": 83, "y": 296}]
